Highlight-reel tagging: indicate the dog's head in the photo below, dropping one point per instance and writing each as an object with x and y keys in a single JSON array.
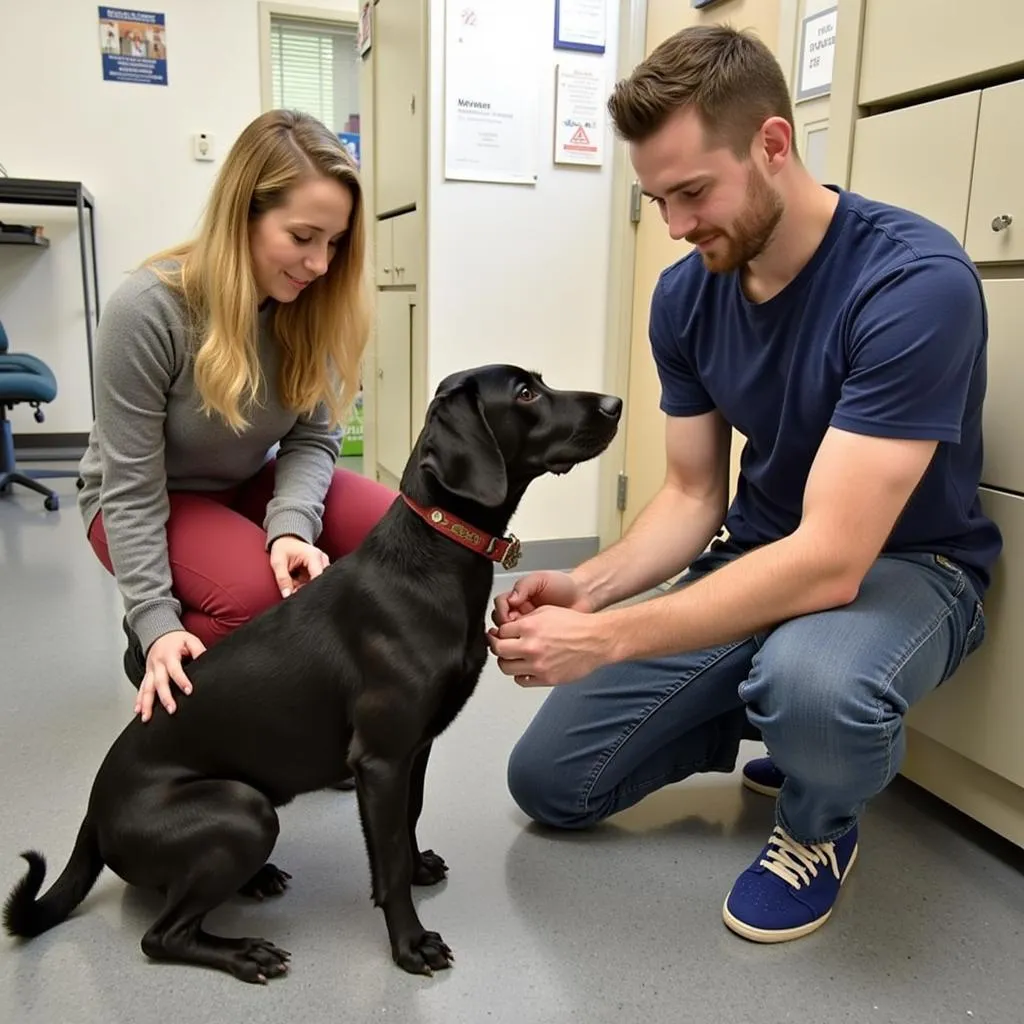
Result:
[{"x": 489, "y": 431}]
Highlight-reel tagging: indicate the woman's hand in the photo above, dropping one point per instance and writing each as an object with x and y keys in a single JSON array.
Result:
[
  {"x": 295, "y": 563},
  {"x": 163, "y": 663}
]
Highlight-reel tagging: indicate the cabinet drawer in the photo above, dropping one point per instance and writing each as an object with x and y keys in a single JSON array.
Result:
[
  {"x": 979, "y": 711},
  {"x": 998, "y": 186},
  {"x": 915, "y": 45},
  {"x": 920, "y": 158},
  {"x": 1004, "y": 410}
]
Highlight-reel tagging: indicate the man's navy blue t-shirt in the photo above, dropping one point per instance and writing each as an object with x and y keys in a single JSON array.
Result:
[{"x": 882, "y": 332}]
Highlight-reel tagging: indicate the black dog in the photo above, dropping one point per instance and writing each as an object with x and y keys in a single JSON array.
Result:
[{"x": 356, "y": 673}]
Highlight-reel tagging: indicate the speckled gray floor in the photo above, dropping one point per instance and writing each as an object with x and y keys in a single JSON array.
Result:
[{"x": 619, "y": 925}]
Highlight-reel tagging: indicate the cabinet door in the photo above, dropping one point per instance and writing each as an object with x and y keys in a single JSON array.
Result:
[
  {"x": 407, "y": 241},
  {"x": 978, "y": 712},
  {"x": 398, "y": 67},
  {"x": 1004, "y": 411},
  {"x": 914, "y": 45},
  {"x": 920, "y": 158},
  {"x": 394, "y": 380},
  {"x": 384, "y": 249},
  {"x": 995, "y": 226}
]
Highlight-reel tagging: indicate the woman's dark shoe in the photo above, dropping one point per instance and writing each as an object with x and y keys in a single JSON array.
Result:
[{"x": 134, "y": 659}]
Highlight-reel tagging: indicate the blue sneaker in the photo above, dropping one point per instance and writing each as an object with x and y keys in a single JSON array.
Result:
[
  {"x": 790, "y": 889},
  {"x": 762, "y": 776}
]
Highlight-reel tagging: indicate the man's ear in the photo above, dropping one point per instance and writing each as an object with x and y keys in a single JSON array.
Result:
[{"x": 461, "y": 451}]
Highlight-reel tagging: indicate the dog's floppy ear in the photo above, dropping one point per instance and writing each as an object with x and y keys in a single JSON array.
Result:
[{"x": 461, "y": 451}]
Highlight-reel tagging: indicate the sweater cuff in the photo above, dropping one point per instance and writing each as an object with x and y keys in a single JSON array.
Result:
[
  {"x": 290, "y": 522},
  {"x": 151, "y": 623}
]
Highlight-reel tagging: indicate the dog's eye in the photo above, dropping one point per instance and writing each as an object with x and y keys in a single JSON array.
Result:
[{"x": 525, "y": 394}]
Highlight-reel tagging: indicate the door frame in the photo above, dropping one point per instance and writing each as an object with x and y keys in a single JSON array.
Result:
[
  {"x": 623, "y": 238},
  {"x": 621, "y": 268}
]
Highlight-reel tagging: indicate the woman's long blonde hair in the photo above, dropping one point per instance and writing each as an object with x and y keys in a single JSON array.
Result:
[{"x": 322, "y": 333}]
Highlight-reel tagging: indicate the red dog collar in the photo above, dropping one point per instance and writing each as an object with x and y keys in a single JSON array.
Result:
[{"x": 505, "y": 550}]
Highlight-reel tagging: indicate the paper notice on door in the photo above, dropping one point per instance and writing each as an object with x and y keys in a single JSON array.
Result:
[
  {"x": 492, "y": 91},
  {"x": 579, "y": 122}
]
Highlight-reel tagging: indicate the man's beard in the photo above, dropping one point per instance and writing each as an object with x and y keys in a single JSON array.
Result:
[{"x": 751, "y": 232}]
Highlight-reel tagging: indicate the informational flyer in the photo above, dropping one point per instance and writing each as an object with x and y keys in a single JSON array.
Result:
[
  {"x": 133, "y": 45},
  {"x": 579, "y": 134},
  {"x": 492, "y": 92}
]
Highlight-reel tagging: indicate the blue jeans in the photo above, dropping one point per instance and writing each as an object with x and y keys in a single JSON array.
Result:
[{"x": 826, "y": 691}]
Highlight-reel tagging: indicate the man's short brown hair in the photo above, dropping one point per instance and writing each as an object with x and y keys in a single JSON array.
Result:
[{"x": 730, "y": 78}]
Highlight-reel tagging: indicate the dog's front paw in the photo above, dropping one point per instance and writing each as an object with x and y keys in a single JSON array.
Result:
[
  {"x": 424, "y": 955},
  {"x": 430, "y": 869},
  {"x": 270, "y": 880}
]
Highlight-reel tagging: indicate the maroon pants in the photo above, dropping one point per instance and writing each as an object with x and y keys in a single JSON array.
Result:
[{"x": 220, "y": 567}]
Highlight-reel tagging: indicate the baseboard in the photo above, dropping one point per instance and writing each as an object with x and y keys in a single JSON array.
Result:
[
  {"x": 50, "y": 447},
  {"x": 554, "y": 554}
]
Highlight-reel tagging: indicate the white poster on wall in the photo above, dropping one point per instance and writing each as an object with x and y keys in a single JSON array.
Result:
[
  {"x": 579, "y": 134},
  {"x": 492, "y": 91},
  {"x": 817, "y": 55}
]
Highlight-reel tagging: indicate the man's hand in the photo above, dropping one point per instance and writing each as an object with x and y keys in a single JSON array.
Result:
[
  {"x": 163, "y": 663},
  {"x": 550, "y": 646},
  {"x": 535, "y": 590},
  {"x": 295, "y": 563}
]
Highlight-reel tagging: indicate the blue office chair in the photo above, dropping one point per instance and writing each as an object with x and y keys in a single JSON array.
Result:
[{"x": 24, "y": 378}]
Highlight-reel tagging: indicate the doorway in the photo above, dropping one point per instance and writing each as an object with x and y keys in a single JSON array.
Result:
[{"x": 642, "y": 469}]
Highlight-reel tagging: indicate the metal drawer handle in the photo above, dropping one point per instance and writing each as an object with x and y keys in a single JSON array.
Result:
[{"x": 1002, "y": 222}]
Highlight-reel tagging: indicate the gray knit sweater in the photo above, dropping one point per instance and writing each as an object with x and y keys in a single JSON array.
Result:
[{"x": 151, "y": 436}]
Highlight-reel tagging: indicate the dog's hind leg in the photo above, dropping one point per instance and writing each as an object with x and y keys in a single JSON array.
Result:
[
  {"x": 270, "y": 880},
  {"x": 427, "y": 867},
  {"x": 212, "y": 838},
  {"x": 382, "y": 786}
]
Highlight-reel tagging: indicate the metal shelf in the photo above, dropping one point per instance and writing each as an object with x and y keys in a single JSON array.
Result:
[
  {"x": 17, "y": 238},
  {"x": 44, "y": 192}
]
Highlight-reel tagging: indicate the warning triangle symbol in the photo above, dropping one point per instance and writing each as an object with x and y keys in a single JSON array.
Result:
[{"x": 579, "y": 136}]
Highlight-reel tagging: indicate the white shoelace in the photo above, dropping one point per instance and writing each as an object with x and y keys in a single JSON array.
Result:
[{"x": 793, "y": 862}]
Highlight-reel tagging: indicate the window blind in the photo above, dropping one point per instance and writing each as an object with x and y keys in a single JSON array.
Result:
[{"x": 302, "y": 59}]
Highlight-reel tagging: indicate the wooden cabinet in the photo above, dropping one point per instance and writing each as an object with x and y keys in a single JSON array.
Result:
[
  {"x": 937, "y": 102},
  {"x": 395, "y": 73},
  {"x": 913, "y": 46},
  {"x": 1004, "y": 410},
  {"x": 395, "y": 323},
  {"x": 398, "y": 122},
  {"x": 995, "y": 224},
  {"x": 956, "y": 161},
  {"x": 398, "y": 257},
  {"x": 920, "y": 158},
  {"x": 978, "y": 712}
]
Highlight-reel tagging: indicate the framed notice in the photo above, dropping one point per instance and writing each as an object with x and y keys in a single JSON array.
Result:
[
  {"x": 491, "y": 92},
  {"x": 817, "y": 55},
  {"x": 581, "y": 25}
]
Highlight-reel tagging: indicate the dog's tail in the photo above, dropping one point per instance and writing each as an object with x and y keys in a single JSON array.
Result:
[{"x": 27, "y": 916}]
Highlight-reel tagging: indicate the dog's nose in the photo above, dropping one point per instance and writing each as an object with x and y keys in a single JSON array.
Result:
[{"x": 610, "y": 406}]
